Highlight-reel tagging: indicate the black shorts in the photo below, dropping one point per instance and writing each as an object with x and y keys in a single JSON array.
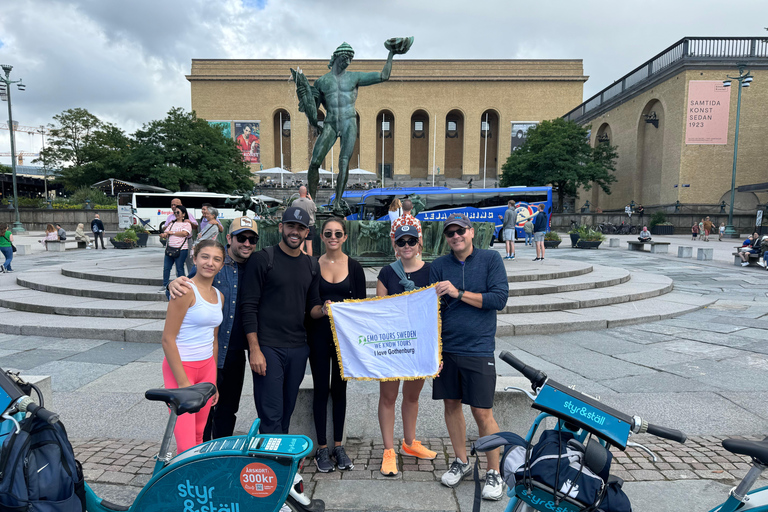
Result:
[
  {"x": 312, "y": 233},
  {"x": 469, "y": 379}
]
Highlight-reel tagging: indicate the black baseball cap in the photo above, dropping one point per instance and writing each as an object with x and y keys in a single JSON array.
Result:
[
  {"x": 297, "y": 215},
  {"x": 457, "y": 219}
]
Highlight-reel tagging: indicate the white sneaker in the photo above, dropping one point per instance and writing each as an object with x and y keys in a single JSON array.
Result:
[
  {"x": 494, "y": 487},
  {"x": 455, "y": 473},
  {"x": 761, "y": 263},
  {"x": 744, "y": 263}
]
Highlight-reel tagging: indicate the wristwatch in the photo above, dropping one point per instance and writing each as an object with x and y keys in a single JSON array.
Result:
[{"x": 461, "y": 294}]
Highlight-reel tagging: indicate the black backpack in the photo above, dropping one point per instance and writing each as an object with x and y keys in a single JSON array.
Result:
[{"x": 38, "y": 470}]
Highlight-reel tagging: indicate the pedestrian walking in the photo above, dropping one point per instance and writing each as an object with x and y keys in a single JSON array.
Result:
[
  {"x": 281, "y": 285},
  {"x": 508, "y": 223},
  {"x": 701, "y": 231},
  {"x": 241, "y": 242},
  {"x": 528, "y": 230},
  {"x": 210, "y": 225},
  {"x": 6, "y": 247},
  {"x": 408, "y": 272},
  {"x": 473, "y": 285},
  {"x": 341, "y": 278},
  {"x": 306, "y": 203},
  {"x": 694, "y": 231},
  {"x": 395, "y": 209},
  {"x": 707, "y": 228},
  {"x": 721, "y": 232},
  {"x": 540, "y": 225},
  {"x": 97, "y": 228},
  {"x": 177, "y": 234},
  {"x": 190, "y": 340}
]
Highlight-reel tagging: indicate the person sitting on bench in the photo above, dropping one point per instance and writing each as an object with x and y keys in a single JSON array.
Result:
[
  {"x": 750, "y": 246},
  {"x": 645, "y": 235}
]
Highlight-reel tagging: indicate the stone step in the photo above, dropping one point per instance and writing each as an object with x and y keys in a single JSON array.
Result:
[
  {"x": 601, "y": 317},
  {"x": 34, "y": 301},
  {"x": 641, "y": 286},
  {"x": 81, "y": 327},
  {"x": 52, "y": 281},
  {"x": 600, "y": 277}
]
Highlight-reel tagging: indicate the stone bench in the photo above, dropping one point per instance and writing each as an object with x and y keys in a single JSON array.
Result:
[
  {"x": 23, "y": 249},
  {"x": 705, "y": 254},
  {"x": 685, "y": 252},
  {"x": 56, "y": 245},
  {"x": 753, "y": 257},
  {"x": 614, "y": 242},
  {"x": 656, "y": 247}
]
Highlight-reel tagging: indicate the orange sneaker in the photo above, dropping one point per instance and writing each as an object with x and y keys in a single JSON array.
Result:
[
  {"x": 418, "y": 450},
  {"x": 389, "y": 463}
]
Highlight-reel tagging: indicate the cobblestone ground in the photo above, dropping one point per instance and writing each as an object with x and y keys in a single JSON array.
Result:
[{"x": 113, "y": 461}]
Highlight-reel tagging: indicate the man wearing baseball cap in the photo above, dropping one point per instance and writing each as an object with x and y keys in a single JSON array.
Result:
[
  {"x": 473, "y": 285},
  {"x": 281, "y": 284},
  {"x": 241, "y": 241}
]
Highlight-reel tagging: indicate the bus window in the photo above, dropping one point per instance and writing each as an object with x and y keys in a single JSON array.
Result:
[
  {"x": 440, "y": 201},
  {"x": 377, "y": 205}
]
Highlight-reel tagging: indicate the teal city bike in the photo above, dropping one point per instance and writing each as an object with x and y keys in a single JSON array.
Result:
[
  {"x": 590, "y": 424},
  {"x": 242, "y": 473}
]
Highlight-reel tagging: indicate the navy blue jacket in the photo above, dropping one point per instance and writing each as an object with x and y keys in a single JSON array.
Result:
[
  {"x": 540, "y": 222},
  {"x": 467, "y": 330}
]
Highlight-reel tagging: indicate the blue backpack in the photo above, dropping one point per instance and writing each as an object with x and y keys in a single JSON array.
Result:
[{"x": 38, "y": 470}]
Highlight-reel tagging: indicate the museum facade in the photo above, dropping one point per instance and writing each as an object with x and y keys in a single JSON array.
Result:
[
  {"x": 674, "y": 123},
  {"x": 458, "y": 119}
]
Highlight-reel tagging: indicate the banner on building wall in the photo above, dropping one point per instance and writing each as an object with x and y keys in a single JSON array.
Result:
[
  {"x": 225, "y": 127},
  {"x": 388, "y": 338},
  {"x": 707, "y": 112},
  {"x": 519, "y": 132},
  {"x": 248, "y": 140}
]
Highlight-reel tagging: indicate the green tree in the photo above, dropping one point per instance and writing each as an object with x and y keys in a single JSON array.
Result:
[
  {"x": 181, "y": 150},
  {"x": 557, "y": 152}
]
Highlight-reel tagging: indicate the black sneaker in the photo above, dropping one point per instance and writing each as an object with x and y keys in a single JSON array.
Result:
[
  {"x": 341, "y": 458},
  {"x": 323, "y": 461}
]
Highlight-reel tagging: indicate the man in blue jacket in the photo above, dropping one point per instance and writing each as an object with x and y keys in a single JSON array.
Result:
[
  {"x": 241, "y": 241},
  {"x": 473, "y": 285},
  {"x": 540, "y": 225}
]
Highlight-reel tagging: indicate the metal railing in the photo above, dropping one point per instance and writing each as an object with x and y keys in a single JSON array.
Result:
[{"x": 689, "y": 49}]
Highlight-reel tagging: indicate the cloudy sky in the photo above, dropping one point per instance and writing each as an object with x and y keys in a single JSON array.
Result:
[{"x": 125, "y": 61}]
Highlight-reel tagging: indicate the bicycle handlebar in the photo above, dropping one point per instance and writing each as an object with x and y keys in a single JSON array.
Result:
[
  {"x": 42, "y": 413},
  {"x": 536, "y": 377},
  {"x": 667, "y": 433}
]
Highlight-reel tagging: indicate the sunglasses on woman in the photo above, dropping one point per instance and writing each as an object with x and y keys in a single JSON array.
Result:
[
  {"x": 331, "y": 234},
  {"x": 460, "y": 232},
  {"x": 251, "y": 239},
  {"x": 411, "y": 242}
]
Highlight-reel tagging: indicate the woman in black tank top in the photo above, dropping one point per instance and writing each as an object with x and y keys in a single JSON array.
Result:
[{"x": 341, "y": 278}]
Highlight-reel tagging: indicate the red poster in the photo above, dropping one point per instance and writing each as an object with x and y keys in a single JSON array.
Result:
[{"x": 707, "y": 111}]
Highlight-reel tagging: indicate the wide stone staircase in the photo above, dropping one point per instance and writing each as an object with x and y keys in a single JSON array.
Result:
[{"x": 119, "y": 298}]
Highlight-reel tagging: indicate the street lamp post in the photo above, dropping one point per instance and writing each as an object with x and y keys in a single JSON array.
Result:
[
  {"x": 6, "y": 83},
  {"x": 744, "y": 79},
  {"x": 41, "y": 131}
]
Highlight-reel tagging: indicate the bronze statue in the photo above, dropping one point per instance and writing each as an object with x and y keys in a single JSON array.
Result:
[{"x": 336, "y": 91}]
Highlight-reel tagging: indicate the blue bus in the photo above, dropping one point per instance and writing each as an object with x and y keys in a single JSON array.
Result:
[{"x": 479, "y": 204}]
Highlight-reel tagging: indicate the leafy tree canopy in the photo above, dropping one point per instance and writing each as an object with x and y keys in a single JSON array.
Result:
[
  {"x": 557, "y": 152},
  {"x": 174, "y": 153}
]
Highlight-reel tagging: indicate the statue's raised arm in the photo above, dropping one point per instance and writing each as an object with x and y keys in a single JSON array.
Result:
[{"x": 396, "y": 46}]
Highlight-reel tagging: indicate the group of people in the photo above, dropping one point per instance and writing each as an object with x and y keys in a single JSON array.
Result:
[
  {"x": 535, "y": 227},
  {"x": 56, "y": 233},
  {"x": 704, "y": 228},
  {"x": 270, "y": 314},
  {"x": 754, "y": 244}
]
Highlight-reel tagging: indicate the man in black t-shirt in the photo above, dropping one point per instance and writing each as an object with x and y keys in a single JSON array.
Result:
[{"x": 288, "y": 282}]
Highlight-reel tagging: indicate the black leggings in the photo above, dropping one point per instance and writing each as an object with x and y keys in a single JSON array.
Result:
[{"x": 326, "y": 376}]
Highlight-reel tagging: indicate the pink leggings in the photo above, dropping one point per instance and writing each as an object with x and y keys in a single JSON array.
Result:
[{"x": 189, "y": 427}]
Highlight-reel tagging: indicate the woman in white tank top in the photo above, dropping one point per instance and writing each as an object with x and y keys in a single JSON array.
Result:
[{"x": 190, "y": 340}]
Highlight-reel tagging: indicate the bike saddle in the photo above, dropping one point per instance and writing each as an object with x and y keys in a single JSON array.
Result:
[
  {"x": 182, "y": 400},
  {"x": 758, "y": 450}
]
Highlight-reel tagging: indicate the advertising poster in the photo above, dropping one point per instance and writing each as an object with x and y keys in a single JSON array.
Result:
[
  {"x": 247, "y": 139},
  {"x": 707, "y": 112},
  {"x": 519, "y": 132},
  {"x": 224, "y": 126}
]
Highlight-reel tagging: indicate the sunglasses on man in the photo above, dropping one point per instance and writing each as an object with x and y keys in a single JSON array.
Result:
[
  {"x": 252, "y": 239},
  {"x": 451, "y": 233},
  {"x": 331, "y": 234},
  {"x": 410, "y": 242}
]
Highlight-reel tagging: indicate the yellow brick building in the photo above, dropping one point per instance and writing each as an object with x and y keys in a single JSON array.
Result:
[
  {"x": 432, "y": 111},
  {"x": 648, "y": 115}
]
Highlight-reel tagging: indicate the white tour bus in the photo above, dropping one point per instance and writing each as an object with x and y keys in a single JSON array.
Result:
[{"x": 152, "y": 209}]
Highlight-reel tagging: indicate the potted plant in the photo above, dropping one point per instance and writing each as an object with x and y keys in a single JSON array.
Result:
[
  {"x": 125, "y": 239},
  {"x": 660, "y": 226},
  {"x": 589, "y": 238},
  {"x": 551, "y": 240},
  {"x": 574, "y": 234},
  {"x": 141, "y": 233}
]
